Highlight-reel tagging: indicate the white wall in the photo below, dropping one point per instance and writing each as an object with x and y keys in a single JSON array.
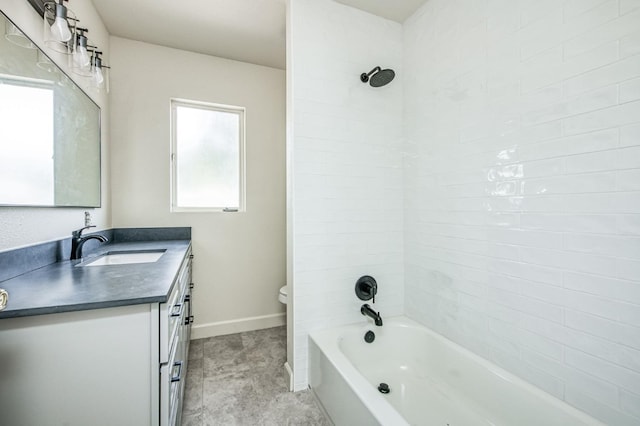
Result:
[
  {"x": 22, "y": 225},
  {"x": 346, "y": 164},
  {"x": 522, "y": 222},
  {"x": 240, "y": 257}
]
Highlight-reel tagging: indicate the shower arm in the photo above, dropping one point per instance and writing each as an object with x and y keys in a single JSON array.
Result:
[{"x": 364, "y": 77}]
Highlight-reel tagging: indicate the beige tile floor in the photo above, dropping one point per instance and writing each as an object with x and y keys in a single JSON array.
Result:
[{"x": 239, "y": 379}]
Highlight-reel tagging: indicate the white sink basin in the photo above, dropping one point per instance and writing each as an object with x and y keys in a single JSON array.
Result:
[{"x": 125, "y": 257}]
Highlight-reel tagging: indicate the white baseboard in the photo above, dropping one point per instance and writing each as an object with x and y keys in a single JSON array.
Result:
[
  {"x": 289, "y": 374},
  {"x": 221, "y": 328}
]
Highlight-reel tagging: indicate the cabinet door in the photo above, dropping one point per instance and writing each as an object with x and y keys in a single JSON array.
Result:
[{"x": 77, "y": 368}]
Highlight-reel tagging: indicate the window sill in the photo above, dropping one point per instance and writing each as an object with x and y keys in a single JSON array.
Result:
[{"x": 206, "y": 210}]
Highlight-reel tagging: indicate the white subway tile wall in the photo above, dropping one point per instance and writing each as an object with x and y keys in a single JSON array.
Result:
[
  {"x": 347, "y": 192},
  {"x": 522, "y": 190}
]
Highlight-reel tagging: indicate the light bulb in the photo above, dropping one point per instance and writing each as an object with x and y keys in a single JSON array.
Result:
[
  {"x": 98, "y": 77},
  {"x": 81, "y": 57},
  {"x": 60, "y": 30}
]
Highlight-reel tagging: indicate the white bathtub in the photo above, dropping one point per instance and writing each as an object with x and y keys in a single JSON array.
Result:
[{"x": 433, "y": 382}]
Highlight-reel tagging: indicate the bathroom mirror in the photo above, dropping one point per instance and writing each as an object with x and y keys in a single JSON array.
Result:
[{"x": 49, "y": 130}]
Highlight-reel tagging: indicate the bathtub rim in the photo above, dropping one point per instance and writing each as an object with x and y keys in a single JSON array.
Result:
[{"x": 380, "y": 408}]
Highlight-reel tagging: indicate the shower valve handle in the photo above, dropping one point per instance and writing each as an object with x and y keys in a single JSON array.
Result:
[{"x": 366, "y": 288}]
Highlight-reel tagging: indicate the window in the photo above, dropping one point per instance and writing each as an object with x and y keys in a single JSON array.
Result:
[
  {"x": 27, "y": 174},
  {"x": 207, "y": 158}
]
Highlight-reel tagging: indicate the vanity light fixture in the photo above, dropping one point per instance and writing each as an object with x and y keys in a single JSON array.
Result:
[
  {"x": 57, "y": 31},
  {"x": 62, "y": 34}
]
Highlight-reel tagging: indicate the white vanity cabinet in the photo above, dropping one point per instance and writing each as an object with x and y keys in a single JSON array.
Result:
[{"x": 122, "y": 365}]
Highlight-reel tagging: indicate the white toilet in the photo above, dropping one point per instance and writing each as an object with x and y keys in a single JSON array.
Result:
[{"x": 282, "y": 295}]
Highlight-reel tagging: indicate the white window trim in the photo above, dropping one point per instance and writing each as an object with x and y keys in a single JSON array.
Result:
[{"x": 241, "y": 111}]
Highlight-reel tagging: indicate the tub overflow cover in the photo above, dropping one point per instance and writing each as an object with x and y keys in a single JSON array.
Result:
[{"x": 384, "y": 388}]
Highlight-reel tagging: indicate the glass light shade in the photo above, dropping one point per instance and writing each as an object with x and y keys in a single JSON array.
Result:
[
  {"x": 60, "y": 30},
  {"x": 99, "y": 77},
  {"x": 105, "y": 83},
  {"x": 15, "y": 36},
  {"x": 80, "y": 58},
  {"x": 57, "y": 33}
]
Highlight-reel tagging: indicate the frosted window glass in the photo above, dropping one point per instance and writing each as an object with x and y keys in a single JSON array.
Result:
[
  {"x": 26, "y": 139},
  {"x": 208, "y": 158}
]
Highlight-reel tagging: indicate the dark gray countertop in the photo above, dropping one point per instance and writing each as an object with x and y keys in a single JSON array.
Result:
[{"x": 65, "y": 287}]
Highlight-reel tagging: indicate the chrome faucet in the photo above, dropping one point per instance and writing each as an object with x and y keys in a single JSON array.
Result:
[
  {"x": 77, "y": 241},
  {"x": 367, "y": 311}
]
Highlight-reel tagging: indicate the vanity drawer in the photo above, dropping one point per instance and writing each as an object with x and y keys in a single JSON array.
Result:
[
  {"x": 175, "y": 373},
  {"x": 178, "y": 378},
  {"x": 170, "y": 374},
  {"x": 174, "y": 313}
]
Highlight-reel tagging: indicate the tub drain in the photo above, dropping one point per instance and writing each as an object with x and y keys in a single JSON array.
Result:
[
  {"x": 384, "y": 388},
  {"x": 369, "y": 336}
]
